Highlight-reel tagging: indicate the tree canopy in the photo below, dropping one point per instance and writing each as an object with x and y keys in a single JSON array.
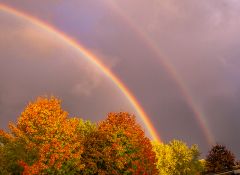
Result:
[
  {"x": 45, "y": 140},
  {"x": 176, "y": 158},
  {"x": 119, "y": 146},
  {"x": 45, "y": 129},
  {"x": 219, "y": 159}
]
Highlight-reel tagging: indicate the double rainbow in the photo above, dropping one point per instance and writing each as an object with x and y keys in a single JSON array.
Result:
[
  {"x": 197, "y": 111},
  {"x": 92, "y": 58}
]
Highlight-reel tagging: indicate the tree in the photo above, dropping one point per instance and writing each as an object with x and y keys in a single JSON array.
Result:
[
  {"x": 46, "y": 141},
  {"x": 118, "y": 146},
  {"x": 219, "y": 159},
  {"x": 44, "y": 129},
  {"x": 11, "y": 151},
  {"x": 176, "y": 158}
]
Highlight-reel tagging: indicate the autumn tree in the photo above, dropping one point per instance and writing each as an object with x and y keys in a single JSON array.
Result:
[
  {"x": 11, "y": 151},
  {"x": 219, "y": 159},
  {"x": 44, "y": 131},
  {"x": 118, "y": 146},
  {"x": 176, "y": 158}
]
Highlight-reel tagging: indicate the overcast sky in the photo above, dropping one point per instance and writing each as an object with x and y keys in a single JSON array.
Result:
[{"x": 199, "y": 39}]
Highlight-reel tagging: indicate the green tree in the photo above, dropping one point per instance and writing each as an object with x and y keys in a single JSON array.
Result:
[
  {"x": 12, "y": 150},
  {"x": 219, "y": 159},
  {"x": 176, "y": 158}
]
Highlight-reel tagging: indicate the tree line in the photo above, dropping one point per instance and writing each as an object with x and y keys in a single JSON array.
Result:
[{"x": 45, "y": 140}]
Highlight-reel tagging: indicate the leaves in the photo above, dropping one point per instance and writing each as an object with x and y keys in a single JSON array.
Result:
[
  {"x": 43, "y": 126},
  {"x": 219, "y": 159},
  {"x": 119, "y": 146},
  {"x": 176, "y": 158},
  {"x": 45, "y": 140}
]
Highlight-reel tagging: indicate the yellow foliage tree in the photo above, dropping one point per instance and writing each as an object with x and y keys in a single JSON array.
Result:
[{"x": 176, "y": 158}]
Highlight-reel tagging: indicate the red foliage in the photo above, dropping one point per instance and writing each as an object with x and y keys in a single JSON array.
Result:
[{"x": 119, "y": 146}]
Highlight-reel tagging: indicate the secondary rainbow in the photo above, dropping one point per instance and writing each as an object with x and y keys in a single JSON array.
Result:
[
  {"x": 197, "y": 111},
  {"x": 88, "y": 55}
]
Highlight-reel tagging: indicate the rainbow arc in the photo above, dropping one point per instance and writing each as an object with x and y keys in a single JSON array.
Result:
[
  {"x": 170, "y": 69},
  {"x": 92, "y": 58}
]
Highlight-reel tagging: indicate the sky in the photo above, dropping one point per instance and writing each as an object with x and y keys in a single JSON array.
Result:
[{"x": 178, "y": 58}]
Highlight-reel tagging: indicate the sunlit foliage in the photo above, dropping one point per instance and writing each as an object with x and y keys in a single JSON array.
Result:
[
  {"x": 176, "y": 158},
  {"x": 11, "y": 151},
  {"x": 45, "y": 140},
  {"x": 119, "y": 146},
  {"x": 43, "y": 127}
]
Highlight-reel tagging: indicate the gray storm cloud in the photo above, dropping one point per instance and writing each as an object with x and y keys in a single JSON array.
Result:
[{"x": 199, "y": 38}]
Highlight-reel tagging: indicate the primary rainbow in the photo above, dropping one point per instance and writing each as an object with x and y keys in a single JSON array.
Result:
[
  {"x": 94, "y": 60},
  {"x": 197, "y": 111}
]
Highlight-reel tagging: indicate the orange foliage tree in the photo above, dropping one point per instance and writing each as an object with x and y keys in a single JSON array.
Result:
[
  {"x": 43, "y": 126},
  {"x": 45, "y": 141},
  {"x": 118, "y": 146}
]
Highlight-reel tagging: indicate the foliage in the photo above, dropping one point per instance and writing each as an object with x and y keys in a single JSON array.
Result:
[
  {"x": 46, "y": 141},
  {"x": 219, "y": 159},
  {"x": 45, "y": 128},
  {"x": 203, "y": 165},
  {"x": 118, "y": 146},
  {"x": 176, "y": 158},
  {"x": 10, "y": 152}
]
